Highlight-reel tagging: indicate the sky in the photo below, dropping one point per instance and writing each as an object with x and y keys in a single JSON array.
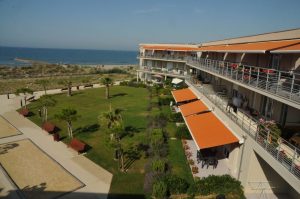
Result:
[{"x": 123, "y": 24}]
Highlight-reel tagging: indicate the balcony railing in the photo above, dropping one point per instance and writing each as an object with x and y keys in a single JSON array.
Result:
[
  {"x": 164, "y": 71},
  {"x": 280, "y": 149},
  {"x": 284, "y": 84},
  {"x": 280, "y": 83},
  {"x": 166, "y": 56}
]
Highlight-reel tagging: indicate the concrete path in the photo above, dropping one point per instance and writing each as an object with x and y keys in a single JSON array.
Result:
[{"x": 96, "y": 179}]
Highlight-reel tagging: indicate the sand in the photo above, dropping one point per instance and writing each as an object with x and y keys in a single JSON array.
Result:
[
  {"x": 6, "y": 129},
  {"x": 35, "y": 173}
]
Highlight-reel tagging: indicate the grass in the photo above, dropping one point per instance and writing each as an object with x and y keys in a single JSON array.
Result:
[
  {"x": 90, "y": 104},
  {"x": 178, "y": 161}
]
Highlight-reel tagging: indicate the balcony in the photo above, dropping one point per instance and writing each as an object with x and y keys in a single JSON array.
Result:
[
  {"x": 279, "y": 149},
  {"x": 165, "y": 57},
  {"x": 281, "y": 85},
  {"x": 164, "y": 72}
]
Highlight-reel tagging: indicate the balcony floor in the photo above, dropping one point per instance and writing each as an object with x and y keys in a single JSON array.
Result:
[{"x": 221, "y": 169}]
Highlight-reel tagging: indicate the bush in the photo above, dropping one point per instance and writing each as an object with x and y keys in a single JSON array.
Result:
[
  {"x": 176, "y": 117},
  {"x": 191, "y": 162},
  {"x": 217, "y": 185},
  {"x": 182, "y": 132},
  {"x": 164, "y": 101},
  {"x": 159, "y": 190},
  {"x": 159, "y": 165},
  {"x": 195, "y": 170},
  {"x": 176, "y": 185}
]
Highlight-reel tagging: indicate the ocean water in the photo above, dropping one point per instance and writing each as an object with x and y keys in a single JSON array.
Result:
[{"x": 67, "y": 56}]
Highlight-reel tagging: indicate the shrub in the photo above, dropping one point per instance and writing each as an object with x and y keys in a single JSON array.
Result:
[
  {"x": 217, "y": 185},
  {"x": 195, "y": 170},
  {"x": 164, "y": 101},
  {"x": 176, "y": 185},
  {"x": 159, "y": 190},
  {"x": 182, "y": 132},
  {"x": 159, "y": 165},
  {"x": 191, "y": 162},
  {"x": 176, "y": 117}
]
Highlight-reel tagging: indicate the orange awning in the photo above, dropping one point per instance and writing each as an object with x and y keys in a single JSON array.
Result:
[
  {"x": 183, "y": 95},
  {"x": 256, "y": 47},
  {"x": 171, "y": 48},
  {"x": 208, "y": 131},
  {"x": 289, "y": 49},
  {"x": 192, "y": 108}
]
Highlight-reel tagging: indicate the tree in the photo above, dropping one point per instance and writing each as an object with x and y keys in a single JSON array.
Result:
[
  {"x": 68, "y": 115},
  {"x": 68, "y": 84},
  {"x": 107, "y": 82},
  {"x": 25, "y": 92},
  {"x": 44, "y": 83},
  {"x": 45, "y": 102},
  {"x": 114, "y": 122}
]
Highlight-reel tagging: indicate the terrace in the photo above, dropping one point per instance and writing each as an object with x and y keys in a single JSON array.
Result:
[{"x": 280, "y": 149}]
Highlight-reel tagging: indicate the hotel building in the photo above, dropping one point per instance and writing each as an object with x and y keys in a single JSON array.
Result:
[{"x": 237, "y": 89}]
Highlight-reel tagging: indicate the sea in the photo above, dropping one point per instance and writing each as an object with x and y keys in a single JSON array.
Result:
[{"x": 66, "y": 56}]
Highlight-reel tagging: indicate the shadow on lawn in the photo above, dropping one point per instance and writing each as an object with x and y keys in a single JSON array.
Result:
[
  {"x": 130, "y": 131},
  {"x": 132, "y": 154},
  {"x": 87, "y": 129},
  {"x": 118, "y": 95}
]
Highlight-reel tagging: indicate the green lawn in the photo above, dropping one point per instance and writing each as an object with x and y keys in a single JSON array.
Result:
[{"x": 90, "y": 103}]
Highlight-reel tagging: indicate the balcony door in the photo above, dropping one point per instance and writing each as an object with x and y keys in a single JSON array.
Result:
[{"x": 275, "y": 61}]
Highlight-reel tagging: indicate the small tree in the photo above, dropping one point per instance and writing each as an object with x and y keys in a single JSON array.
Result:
[
  {"x": 107, "y": 82},
  {"x": 44, "y": 83},
  {"x": 68, "y": 84},
  {"x": 25, "y": 92},
  {"x": 45, "y": 102},
  {"x": 114, "y": 122},
  {"x": 68, "y": 115}
]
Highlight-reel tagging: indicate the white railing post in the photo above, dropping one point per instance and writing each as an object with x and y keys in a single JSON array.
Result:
[
  {"x": 249, "y": 79},
  {"x": 278, "y": 80},
  {"x": 293, "y": 81},
  {"x": 267, "y": 82},
  {"x": 243, "y": 72},
  {"x": 257, "y": 81}
]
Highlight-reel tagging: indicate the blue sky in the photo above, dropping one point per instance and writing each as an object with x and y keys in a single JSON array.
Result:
[{"x": 122, "y": 25}]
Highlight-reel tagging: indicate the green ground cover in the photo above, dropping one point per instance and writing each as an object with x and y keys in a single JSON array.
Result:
[{"x": 90, "y": 103}]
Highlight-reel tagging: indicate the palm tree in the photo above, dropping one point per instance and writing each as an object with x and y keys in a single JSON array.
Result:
[
  {"x": 107, "y": 82},
  {"x": 44, "y": 83},
  {"x": 114, "y": 122},
  {"x": 68, "y": 84},
  {"x": 113, "y": 118},
  {"x": 25, "y": 92},
  {"x": 45, "y": 102},
  {"x": 68, "y": 115}
]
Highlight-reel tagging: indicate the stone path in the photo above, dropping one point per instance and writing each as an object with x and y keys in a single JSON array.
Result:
[{"x": 96, "y": 179}]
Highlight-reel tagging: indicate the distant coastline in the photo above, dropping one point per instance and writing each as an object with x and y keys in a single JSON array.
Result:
[{"x": 13, "y": 56}]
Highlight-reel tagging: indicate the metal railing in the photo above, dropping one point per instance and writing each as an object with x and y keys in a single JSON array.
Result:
[
  {"x": 164, "y": 71},
  {"x": 165, "y": 56},
  {"x": 284, "y": 84},
  {"x": 281, "y": 150}
]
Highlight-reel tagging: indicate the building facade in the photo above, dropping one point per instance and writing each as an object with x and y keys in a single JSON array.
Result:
[{"x": 259, "y": 77}]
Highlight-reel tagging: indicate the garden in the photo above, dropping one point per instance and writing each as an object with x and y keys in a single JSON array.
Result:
[{"x": 130, "y": 131}]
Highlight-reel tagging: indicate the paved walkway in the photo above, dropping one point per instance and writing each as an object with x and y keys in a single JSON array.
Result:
[{"x": 96, "y": 179}]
